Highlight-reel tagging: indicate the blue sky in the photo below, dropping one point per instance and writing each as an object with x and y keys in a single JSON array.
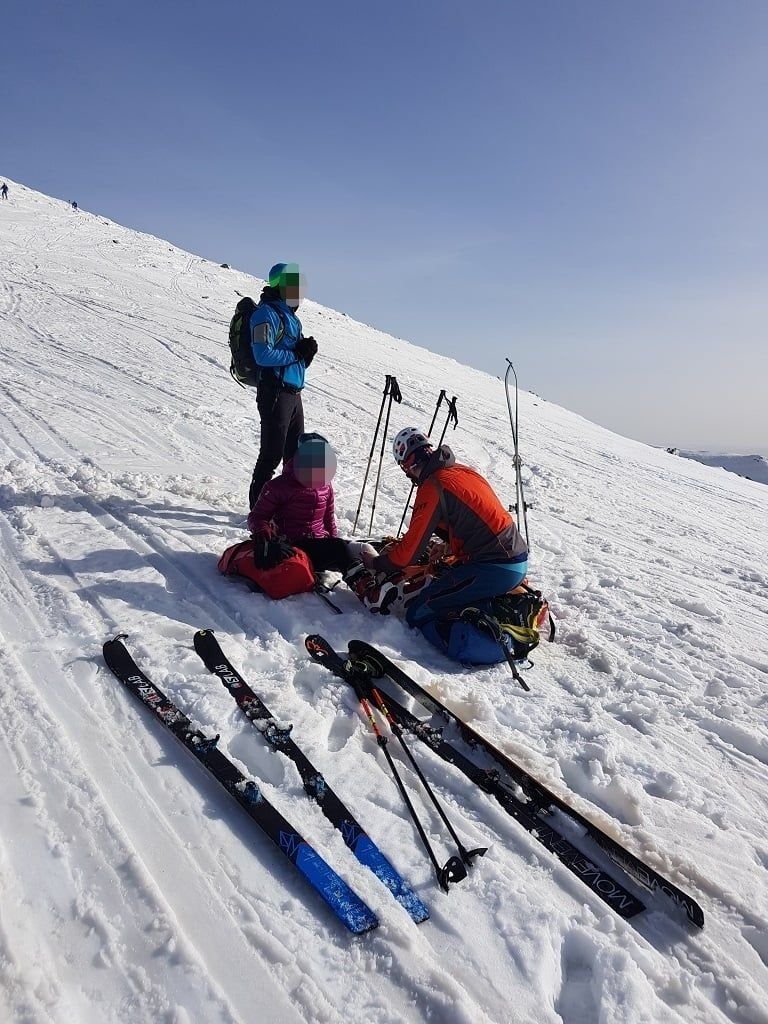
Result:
[{"x": 580, "y": 186}]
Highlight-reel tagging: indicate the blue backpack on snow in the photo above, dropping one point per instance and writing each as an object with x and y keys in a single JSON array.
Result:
[{"x": 502, "y": 628}]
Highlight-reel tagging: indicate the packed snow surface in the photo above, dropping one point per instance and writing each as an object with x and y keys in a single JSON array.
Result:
[{"x": 133, "y": 889}]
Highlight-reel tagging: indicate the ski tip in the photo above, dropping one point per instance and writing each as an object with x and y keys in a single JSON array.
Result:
[{"x": 368, "y": 853}]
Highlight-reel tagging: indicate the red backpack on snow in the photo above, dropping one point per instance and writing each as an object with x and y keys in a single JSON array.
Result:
[{"x": 294, "y": 575}]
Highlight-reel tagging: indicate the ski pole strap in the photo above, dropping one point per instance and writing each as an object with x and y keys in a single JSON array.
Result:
[
  {"x": 453, "y": 416},
  {"x": 511, "y": 662}
]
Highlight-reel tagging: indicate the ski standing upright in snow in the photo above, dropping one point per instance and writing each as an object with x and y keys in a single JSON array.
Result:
[{"x": 520, "y": 506}]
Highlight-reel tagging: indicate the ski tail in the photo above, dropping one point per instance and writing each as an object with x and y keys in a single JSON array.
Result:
[{"x": 342, "y": 900}]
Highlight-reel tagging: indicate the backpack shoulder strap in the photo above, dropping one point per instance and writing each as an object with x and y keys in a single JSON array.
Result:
[
  {"x": 277, "y": 312},
  {"x": 277, "y": 371},
  {"x": 281, "y": 328}
]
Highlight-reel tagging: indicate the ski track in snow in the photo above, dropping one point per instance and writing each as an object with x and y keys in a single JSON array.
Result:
[{"x": 135, "y": 889}]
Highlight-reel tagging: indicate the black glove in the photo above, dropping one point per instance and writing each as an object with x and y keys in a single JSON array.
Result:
[
  {"x": 306, "y": 349},
  {"x": 270, "y": 551}
]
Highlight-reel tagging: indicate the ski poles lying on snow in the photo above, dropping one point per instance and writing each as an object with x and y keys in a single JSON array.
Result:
[
  {"x": 455, "y": 868},
  {"x": 451, "y": 415},
  {"x": 467, "y": 856},
  {"x": 391, "y": 392}
]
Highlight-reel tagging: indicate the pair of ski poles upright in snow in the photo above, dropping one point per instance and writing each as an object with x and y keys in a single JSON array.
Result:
[{"x": 392, "y": 394}]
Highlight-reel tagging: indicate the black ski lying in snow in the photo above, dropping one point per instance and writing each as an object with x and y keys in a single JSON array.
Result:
[
  {"x": 347, "y": 906},
  {"x": 541, "y": 801},
  {"x": 279, "y": 738},
  {"x": 360, "y": 676}
]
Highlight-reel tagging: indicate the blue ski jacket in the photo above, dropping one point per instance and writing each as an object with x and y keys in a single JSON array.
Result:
[{"x": 275, "y": 329}]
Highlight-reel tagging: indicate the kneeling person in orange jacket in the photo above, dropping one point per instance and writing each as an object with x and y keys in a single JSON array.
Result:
[{"x": 488, "y": 555}]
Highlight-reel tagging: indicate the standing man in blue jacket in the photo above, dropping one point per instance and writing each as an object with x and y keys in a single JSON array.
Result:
[{"x": 283, "y": 354}]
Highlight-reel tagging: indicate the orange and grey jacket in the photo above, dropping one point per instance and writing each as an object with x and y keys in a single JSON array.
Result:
[{"x": 457, "y": 503}]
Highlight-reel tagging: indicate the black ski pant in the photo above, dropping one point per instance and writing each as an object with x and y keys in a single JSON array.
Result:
[
  {"x": 282, "y": 423},
  {"x": 327, "y": 553}
]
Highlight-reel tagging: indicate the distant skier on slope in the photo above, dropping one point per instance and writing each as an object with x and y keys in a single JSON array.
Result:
[
  {"x": 4, "y": 191},
  {"x": 299, "y": 507},
  {"x": 284, "y": 354},
  {"x": 485, "y": 556}
]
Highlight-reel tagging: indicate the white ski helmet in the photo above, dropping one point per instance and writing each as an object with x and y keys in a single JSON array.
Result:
[{"x": 408, "y": 441}]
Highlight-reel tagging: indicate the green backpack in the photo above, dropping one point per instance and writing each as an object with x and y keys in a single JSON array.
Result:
[
  {"x": 521, "y": 616},
  {"x": 243, "y": 366}
]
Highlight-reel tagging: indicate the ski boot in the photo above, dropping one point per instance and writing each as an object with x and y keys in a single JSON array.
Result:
[{"x": 377, "y": 597}]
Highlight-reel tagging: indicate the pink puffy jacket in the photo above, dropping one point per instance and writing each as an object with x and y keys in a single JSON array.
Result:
[{"x": 297, "y": 511}]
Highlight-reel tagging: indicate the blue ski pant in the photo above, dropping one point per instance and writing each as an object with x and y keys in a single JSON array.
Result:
[{"x": 464, "y": 585}]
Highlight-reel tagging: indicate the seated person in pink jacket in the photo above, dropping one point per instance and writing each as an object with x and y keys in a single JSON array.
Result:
[{"x": 298, "y": 505}]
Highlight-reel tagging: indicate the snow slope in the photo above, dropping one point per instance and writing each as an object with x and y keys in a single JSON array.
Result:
[{"x": 133, "y": 889}]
